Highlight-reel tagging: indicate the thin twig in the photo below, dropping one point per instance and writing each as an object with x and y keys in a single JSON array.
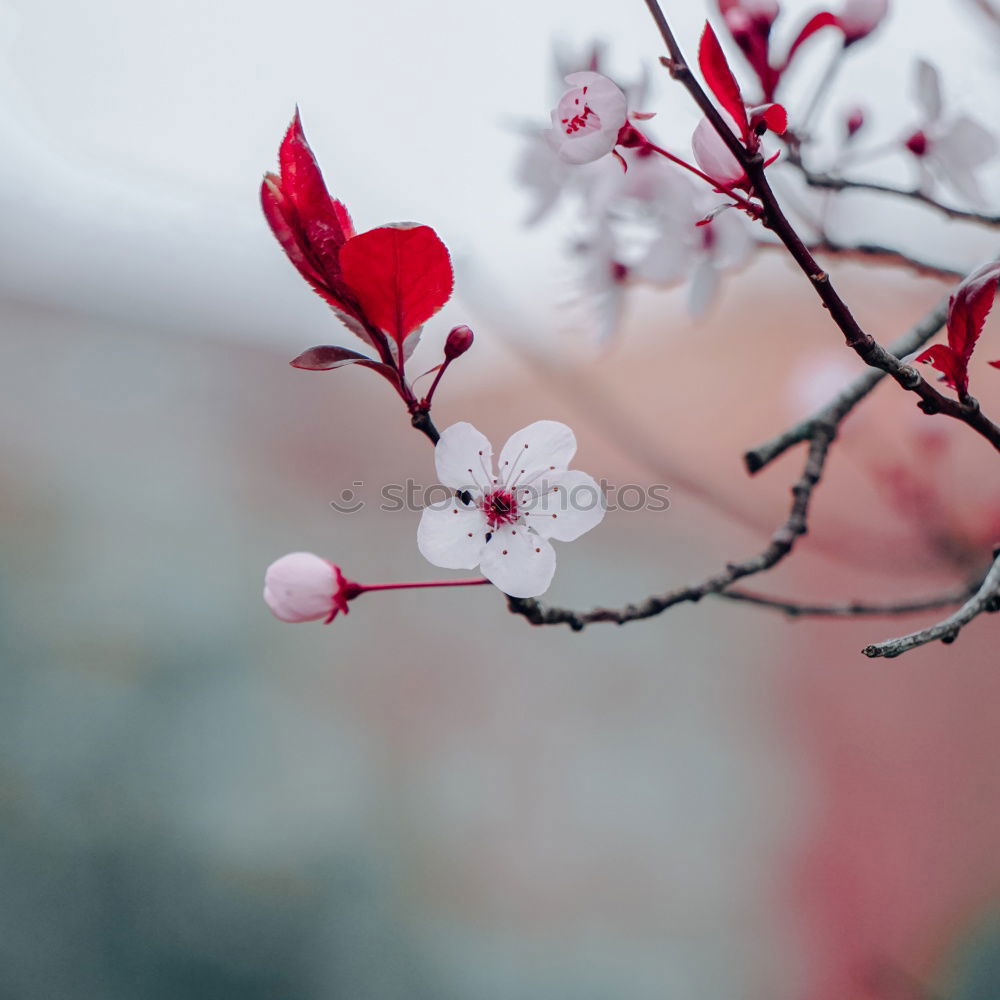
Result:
[
  {"x": 886, "y": 255},
  {"x": 852, "y": 609},
  {"x": 987, "y": 598},
  {"x": 831, "y": 183},
  {"x": 832, "y": 413},
  {"x": 782, "y": 542}
]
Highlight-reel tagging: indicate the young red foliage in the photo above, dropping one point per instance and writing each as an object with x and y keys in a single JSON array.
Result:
[
  {"x": 399, "y": 275},
  {"x": 327, "y": 357},
  {"x": 824, "y": 19},
  {"x": 967, "y": 312},
  {"x": 719, "y": 77},
  {"x": 310, "y": 225}
]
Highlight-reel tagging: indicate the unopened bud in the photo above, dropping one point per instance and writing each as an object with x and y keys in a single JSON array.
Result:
[
  {"x": 917, "y": 143},
  {"x": 458, "y": 342},
  {"x": 854, "y": 122}
]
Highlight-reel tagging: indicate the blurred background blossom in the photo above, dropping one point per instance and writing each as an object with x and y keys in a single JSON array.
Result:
[{"x": 429, "y": 798}]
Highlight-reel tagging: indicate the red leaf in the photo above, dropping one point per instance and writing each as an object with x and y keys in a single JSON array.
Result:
[
  {"x": 328, "y": 357},
  {"x": 994, "y": 364},
  {"x": 774, "y": 117},
  {"x": 967, "y": 311},
  {"x": 823, "y": 19},
  {"x": 281, "y": 217},
  {"x": 953, "y": 367},
  {"x": 720, "y": 79},
  {"x": 302, "y": 183},
  {"x": 969, "y": 307},
  {"x": 400, "y": 276}
]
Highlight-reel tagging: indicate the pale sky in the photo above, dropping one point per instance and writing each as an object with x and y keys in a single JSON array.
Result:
[{"x": 135, "y": 135}]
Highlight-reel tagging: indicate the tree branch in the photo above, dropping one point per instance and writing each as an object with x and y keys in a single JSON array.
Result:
[
  {"x": 863, "y": 344},
  {"x": 834, "y": 412},
  {"x": 987, "y": 599},
  {"x": 782, "y": 542},
  {"x": 885, "y": 255}
]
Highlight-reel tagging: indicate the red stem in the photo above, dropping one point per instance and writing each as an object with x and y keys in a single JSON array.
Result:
[{"x": 363, "y": 588}]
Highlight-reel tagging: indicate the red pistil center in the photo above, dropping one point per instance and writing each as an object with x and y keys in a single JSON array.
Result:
[
  {"x": 500, "y": 508},
  {"x": 579, "y": 121}
]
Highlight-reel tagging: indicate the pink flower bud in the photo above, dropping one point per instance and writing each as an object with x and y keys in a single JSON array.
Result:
[
  {"x": 859, "y": 18},
  {"x": 302, "y": 587},
  {"x": 714, "y": 156},
  {"x": 458, "y": 342}
]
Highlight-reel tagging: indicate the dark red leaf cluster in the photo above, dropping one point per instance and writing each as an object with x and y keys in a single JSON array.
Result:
[
  {"x": 967, "y": 312},
  {"x": 750, "y": 123},
  {"x": 384, "y": 284},
  {"x": 750, "y": 28}
]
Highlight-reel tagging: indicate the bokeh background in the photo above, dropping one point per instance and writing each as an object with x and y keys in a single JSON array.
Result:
[{"x": 430, "y": 799}]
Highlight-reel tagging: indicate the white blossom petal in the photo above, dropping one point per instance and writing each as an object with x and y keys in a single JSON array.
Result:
[
  {"x": 967, "y": 142},
  {"x": 732, "y": 243},
  {"x": 545, "y": 445},
  {"x": 519, "y": 562},
  {"x": 927, "y": 90},
  {"x": 713, "y": 155},
  {"x": 563, "y": 505},
  {"x": 703, "y": 288},
  {"x": 452, "y": 535},
  {"x": 859, "y": 18},
  {"x": 464, "y": 458},
  {"x": 668, "y": 259}
]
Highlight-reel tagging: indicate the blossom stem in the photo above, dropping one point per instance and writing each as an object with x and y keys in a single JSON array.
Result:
[
  {"x": 822, "y": 90},
  {"x": 714, "y": 184},
  {"x": 426, "y": 402},
  {"x": 363, "y": 588},
  {"x": 681, "y": 163}
]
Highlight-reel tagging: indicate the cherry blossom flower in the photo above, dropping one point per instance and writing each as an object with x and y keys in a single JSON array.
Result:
[
  {"x": 540, "y": 169},
  {"x": 302, "y": 587},
  {"x": 950, "y": 150},
  {"x": 588, "y": 118},
  {"x": 701, "y": 253},
  {"x": 502, "y": 520}
]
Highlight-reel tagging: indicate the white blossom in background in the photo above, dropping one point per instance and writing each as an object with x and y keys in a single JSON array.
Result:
[
  {"x": 947, "y": 149},
  {"x": 502, "y": 518},
  {"x": 588, "y": 118},
  {"x": 700, "y": 254},
  {"x": 540, "y": 170},
  {"x": 602, "y": 279},
  {"x": 818, "y": 379}
]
